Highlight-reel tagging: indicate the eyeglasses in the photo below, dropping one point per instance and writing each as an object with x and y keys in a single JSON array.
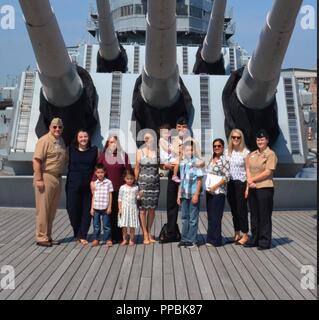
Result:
[
  {"x": 217, "y": 146},
  {"x": 236, "y": 138},
  {"x": 57, "y": 127}
]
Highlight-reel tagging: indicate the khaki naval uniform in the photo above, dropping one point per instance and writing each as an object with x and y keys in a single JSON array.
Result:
[
  {"x": 261, "y": 197},
  {"x": 52, "y": 154}
]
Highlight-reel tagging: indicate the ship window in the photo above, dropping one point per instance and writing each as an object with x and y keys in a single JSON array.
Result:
[
  {"x": 195, "y": 12},
  {"x": 127, "y": 10},
  {"x": 130, "y": 9},
  {"x": 138, "y": 9},
  {"x": 181, "y": 9}
]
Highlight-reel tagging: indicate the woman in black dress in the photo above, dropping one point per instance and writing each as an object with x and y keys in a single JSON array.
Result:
[{"x": 82, "y": 160}]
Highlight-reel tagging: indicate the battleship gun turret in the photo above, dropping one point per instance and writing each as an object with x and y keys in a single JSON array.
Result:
[
  {"x": 159, "y": 95},
  {"x": 67, "y": 91},
  {"x": 111, "y": 55},
  {"x": 208, "y": 57},
  {"x": 249, "y": 97}
]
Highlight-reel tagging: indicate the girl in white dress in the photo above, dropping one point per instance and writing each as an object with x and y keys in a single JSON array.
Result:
[{"x": 128, "y": 211}]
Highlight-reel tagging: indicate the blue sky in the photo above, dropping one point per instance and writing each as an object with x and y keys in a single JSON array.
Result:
[{"x": 249, "y": 15}]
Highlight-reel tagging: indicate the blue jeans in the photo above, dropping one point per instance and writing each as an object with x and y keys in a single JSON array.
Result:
[
  {"x": 106, "y": 218},
  {"x": 190, "y": 214}
]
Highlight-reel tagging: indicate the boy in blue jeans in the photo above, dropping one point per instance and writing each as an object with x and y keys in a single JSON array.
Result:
[
  {"x": 189, "y": 195},
  {"x": 101, "y": 207}
]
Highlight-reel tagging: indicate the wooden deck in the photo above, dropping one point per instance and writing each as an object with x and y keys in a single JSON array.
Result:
[{"x": 161, "y": 272}]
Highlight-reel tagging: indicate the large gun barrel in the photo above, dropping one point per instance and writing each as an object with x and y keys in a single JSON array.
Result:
[
  {"x": 212, "y": 45},
  {"x": 209, "y": 58},
  {"x": 249, "y": 98},
  {"x": 256, "y": 88},
  {"x": 160, "y": 96},
  {"x": 160, "y": 77},
  {"x": 109, "y": 45},
  {"x": 61, "y": 83}
]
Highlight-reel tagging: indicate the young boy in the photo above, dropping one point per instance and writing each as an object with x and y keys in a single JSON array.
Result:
[
  {"x": 188, "y": 195},
  {"x": 101, "y": 206}
]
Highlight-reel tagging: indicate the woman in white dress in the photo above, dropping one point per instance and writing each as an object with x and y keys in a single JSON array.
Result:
[{"x": 128, "y": 211}]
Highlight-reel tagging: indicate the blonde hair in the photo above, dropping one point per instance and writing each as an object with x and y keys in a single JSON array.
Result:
[{"x": 242, "y": 144}]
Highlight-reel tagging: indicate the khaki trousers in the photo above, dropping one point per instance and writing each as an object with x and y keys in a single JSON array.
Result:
[{"x": 46, "y": 206}]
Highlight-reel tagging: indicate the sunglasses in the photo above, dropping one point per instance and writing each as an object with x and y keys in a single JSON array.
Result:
[
  {"x": 217, "y": 146},
  {"x": 236, "y": 137},
  {"x": 57, "y": 127}
]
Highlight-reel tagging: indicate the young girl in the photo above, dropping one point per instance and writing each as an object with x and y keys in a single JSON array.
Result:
[{"x": 128, "y": 211}]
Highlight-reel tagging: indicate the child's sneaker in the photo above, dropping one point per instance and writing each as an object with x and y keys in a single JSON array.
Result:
[
  {"x": 176, "y": 179},
  {"x": 181, "y": 244},
  {"x": 190, "y": 245}
]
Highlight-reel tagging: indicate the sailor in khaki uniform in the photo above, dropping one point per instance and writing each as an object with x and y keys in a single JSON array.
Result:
[
  {"x": 261, "y": 166},
  {"x": 49, "y": 160}
]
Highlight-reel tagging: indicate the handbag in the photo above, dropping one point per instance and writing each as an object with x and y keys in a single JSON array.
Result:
[{"x": 163, "y": 235}]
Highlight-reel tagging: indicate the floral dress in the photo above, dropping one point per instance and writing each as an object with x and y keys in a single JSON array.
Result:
[{"x": 129, "y": 213}]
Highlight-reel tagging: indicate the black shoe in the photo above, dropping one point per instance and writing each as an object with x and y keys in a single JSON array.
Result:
[
  {"x": 181, "y": 244},
  {"x": 190, "y": 245},
  {"x": 250, "y": 245},
  {"x": 263, "y": 248},
  {"x": 44, "y": 244}
]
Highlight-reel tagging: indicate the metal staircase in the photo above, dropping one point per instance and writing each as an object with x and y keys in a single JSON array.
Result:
[
  {"x": 88, "y": 58},
  {"x": 115, "y": 110},
  {"x": 22, "y": 128}
]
